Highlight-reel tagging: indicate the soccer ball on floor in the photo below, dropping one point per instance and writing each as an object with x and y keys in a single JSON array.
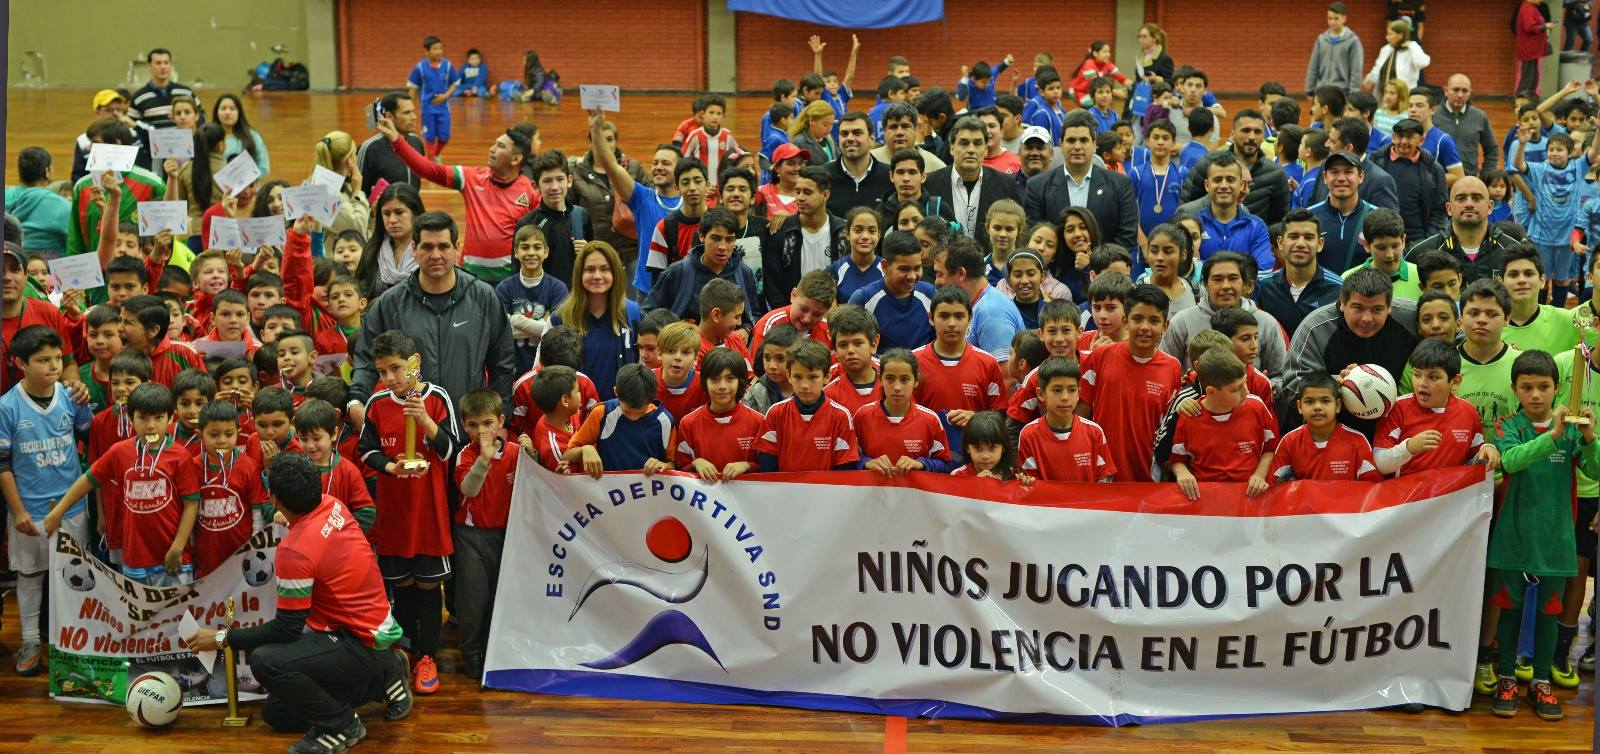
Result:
[
  {"x": 257, "y": 568},
  {"x": 154, "y": 699},
  {"x": 79, "y": 575}
]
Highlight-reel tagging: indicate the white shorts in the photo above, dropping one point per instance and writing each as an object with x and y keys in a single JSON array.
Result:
[{"x": 32, "y": 554}]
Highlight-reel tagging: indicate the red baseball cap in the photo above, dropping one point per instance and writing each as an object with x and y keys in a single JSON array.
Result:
[{"x": 790, "y": 151}]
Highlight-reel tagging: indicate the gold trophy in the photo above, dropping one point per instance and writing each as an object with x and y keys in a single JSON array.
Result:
[
  {"x": 1580, "y": 374},
  {"x": 234, "y": 719},
  {"x": 411, "y": 462}
]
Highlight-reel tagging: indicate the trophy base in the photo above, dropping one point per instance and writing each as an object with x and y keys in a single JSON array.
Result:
[
  {"x": 236, "y": 722},
  {"x": 1579, "y": 421},
  {"x": 413, "y": 464}
]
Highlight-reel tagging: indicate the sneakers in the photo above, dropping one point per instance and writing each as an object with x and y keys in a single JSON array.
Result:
[
  {"x": 330, "y": 743},
  {"x": 397, "y": 695},
  {"x": 1563, "y": 674},
  {"x": 1505, "y": 698},
  {"x": 1484, "y": 681},
  {"x": 1586, "y": 662},
  {"x": 29, "y": 659},
  {"x": 1524, "y": 670},
  {"x": 1543, "y": 701},
  {"x": 425, "y": 675}
]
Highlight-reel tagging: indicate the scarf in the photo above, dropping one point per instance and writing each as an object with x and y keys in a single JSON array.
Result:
[{"x": 391, "y": 272}]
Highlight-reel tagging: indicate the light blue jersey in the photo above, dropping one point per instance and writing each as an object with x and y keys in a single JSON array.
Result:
[{"x": 42, "y": 444}]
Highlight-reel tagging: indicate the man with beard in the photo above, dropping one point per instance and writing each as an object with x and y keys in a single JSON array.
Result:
[
  {"x": 1419, "y": 179},
  {"x": 1467, "y": 124},
  {"x": 1476, "y": 244},
  {"x": 1081, "y": 183},
  {"x": 1367, "y": 326},
  {"x": 678, "y": 289},
  {"x": 856, "y": 178},
  {"x": 1268, "y": 198},
  {"x": 1230, "y": 279},
  {"x": 968, "y": 185},
  {"x": 1036, "y": 153},
  {"x": 1304, "y": 283},
  {"x": 376, "y": 158},
  {"x": 649, "y": 204},
  {"x": 591, "y": 189},
  {"x": 900, "y": 132},
  {"x": 1342, "y": 213},
  {"x": 808, "y": 240}
]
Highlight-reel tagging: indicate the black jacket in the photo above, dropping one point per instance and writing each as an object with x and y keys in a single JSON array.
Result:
[
  {"x": 1269, "y": 187},
  {"x": 560, "y": 230},
  {"x": 780, "y": 257},
  {"x": 1491, "y": 260},
  {"x": 378, "y": 161},
  {"x": 678, "y": 288},
  {"x": 994, "y": 186},
  {"x": 1420, "y": 189},
  {"x": 1377, "y": 187},
  {"x": 846, "y": 193},
  {"x": 464, "y": 339},
  {"x": 931, "y": 206},
  {"x": 1111, "y": 201}
]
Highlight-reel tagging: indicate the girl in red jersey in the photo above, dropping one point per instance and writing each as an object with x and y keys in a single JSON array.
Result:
[
  {"x": 896, "y": 434},
  {"x": 987, "y": 449}
]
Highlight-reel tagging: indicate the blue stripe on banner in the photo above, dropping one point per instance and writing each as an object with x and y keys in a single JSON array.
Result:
[
  {"x": 881, "y": 14},
  {"x": 620, "y": 686}
]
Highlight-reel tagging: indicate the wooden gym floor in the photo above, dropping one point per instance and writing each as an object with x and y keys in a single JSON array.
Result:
[{"x": 463, "y": 719}]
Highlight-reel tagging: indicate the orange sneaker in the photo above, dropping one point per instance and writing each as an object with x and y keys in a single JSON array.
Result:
[{"x": 425, "y": 676}]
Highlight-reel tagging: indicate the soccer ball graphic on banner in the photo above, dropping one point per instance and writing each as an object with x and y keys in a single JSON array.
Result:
[
  {"x": 257, "y": 568},
  {"x": 154, "y": 699},
  {"x": 78, "y": 574}
]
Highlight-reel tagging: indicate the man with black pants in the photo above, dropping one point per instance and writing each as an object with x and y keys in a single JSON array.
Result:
[
  {"x": 330, "y": 646},
  {"x": 856, "y": 178}
]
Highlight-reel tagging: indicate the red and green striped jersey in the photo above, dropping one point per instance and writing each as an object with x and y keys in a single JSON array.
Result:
[
  {"x": 138, "y": 185},
  {"x": 326, "y": 568},
  {"x": 493, "y": 209}
]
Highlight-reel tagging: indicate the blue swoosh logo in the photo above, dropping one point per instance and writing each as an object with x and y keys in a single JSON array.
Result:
[{"x": 666, "y": 629}]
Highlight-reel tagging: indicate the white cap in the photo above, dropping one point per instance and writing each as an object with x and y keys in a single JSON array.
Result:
[{"x": 1036, "y": 132}]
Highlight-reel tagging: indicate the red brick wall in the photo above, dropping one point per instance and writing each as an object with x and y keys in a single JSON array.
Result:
[
  {"x": 772, "y": 48},
  {"x": 380, "y": 40},
  {"x": 1272, "y": 39}
]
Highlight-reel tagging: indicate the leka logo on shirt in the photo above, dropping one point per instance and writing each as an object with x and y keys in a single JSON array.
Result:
[
  {"x": 220, "y": 508},
  {"x": 146, "y": 495}
]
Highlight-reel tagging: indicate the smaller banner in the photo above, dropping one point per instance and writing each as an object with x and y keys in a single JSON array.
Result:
[
  {"x": 882, "y": 14},
  {"x": 107, "y": 629}
]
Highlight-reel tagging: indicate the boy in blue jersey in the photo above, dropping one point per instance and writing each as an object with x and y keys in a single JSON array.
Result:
[
  {"x": 899, "y": 302},
  {"x": 977, "y": 85},
  {"x": 1045, "y": 110},
  {"x": 39, "y": 428},
  {"x": 626, "y": 433},
  {"x": 1558, "y": 186},
  {"x": 891, "y": 90},
  {"x": 835, "y": 91},
  {"x": 432, "y": 82},
  {"x": 1105, "y": 116}
]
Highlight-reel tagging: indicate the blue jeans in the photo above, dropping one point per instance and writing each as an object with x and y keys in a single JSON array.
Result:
[{"x": 1579, "y": 30}]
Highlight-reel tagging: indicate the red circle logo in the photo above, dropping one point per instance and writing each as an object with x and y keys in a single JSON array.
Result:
[{"x": 668, "y": 539}]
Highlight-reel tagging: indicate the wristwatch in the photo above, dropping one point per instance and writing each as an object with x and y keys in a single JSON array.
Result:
[{"x": 222, "y": 637}]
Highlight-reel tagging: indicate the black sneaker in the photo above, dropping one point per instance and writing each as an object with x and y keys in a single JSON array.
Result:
[
  {"x": 331, "y": 743},
  {"x": 1542, "y": 699},
  {"x": 1505, "y": 698},
  {"x": 397, "y": 687},
  {"x": 1586, "y": 662}
]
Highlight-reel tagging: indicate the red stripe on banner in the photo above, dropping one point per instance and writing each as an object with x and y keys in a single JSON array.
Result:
[
  {"x": 894, "y": 735},
  {"x": 1216, "y": 499}
]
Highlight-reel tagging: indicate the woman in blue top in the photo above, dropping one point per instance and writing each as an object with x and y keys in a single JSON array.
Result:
[
  {"x": 229, "y": 112},
  {"x": 598, "y": 309}
]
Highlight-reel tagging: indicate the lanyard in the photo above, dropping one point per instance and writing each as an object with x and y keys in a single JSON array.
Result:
[{"x": 143, "y": 453}]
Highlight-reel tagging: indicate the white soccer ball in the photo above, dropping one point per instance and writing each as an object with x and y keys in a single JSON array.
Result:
[
  {"x": 79, "y": 574},
  {"x": 257, "y": 568},
  {"x": 154, "y": 699},
  {"x": 1368, "y": 391}
]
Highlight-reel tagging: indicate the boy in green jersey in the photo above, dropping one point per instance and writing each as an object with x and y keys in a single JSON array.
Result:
[
  {"x": 1532, "y": 325},
  {"x": 1485, "y": 356},
  {"x": 1532, "y": 540},
  {"x": 1564, "y": 675},
  {"x": 1385, "y": 236}
]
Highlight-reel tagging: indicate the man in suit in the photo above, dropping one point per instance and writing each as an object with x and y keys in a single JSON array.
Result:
[
  {"x": 1268, "y": 197},
  {"x": 966, "y": 183},
  {"x": 1080, "y": 183}
]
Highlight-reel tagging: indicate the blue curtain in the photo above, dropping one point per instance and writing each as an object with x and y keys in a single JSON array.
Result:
[{"x": 880, "y": 14}]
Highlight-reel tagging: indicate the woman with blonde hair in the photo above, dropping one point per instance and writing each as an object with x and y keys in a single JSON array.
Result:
[
  {"x": 1401, "y": 59},
  {"x": 1392, "y": 106},
  {"x": 1153, "y": 61},
  {"x": 812, "y": 130},
  {"x": 337, "y": 152},
  {"x": 598, "y": 308}
]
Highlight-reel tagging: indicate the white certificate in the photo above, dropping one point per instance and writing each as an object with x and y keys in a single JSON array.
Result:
[
  {"x": 311, "y": 199},
  {"x": 225, "y": 234},
  {"x": 157, "y": 216},
  {"x": 322, "y": 176},
  {"x": 240, "y": 172},
  {"x": 263, "y": 231},
  {"x": 600, "y": 96},
  {"x": 118, "y": 157},
  {"x": 79, "y": 272},
  {"x": 172, "y": 142}
]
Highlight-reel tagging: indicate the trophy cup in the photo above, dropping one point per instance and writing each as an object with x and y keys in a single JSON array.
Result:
[
  {"x": 411, "y": 462},
  {"x": 1580, "y": 374},
  {"x": 234, "y": 719}
]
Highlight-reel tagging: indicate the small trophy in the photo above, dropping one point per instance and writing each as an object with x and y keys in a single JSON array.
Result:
[
  {"x": 411, "y": 462},
  {"x": 234, "y": 719},
  {"x": 1580, "y": 374}
]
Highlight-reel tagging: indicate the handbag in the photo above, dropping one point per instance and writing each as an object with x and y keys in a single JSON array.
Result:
[
  {"x": 1140, "y": 103},
  {"x": 622, "y": 220}
]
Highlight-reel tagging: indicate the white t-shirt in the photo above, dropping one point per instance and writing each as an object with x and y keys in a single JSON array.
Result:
[{"x": 814, "y": 248}]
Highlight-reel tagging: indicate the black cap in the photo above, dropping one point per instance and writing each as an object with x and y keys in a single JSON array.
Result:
[
  {"x": 1411, "y": 125},
  {"x": 15, "y": 252},
  {"x": 1343, "y": 156}
]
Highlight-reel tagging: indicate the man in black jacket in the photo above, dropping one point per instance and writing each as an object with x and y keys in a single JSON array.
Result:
[
  {"x": 1419, "y": 180},
  {"x": 1268, "y": 198},
  {"x": 857, "y": 179},
  {"x": 808, "y": 240},
  {"x": 456, "y": 319},
  {"x": 969, "y": 186},
  {"x": 376, "y": 157},
  {"x": 1081, "y": 183},
  {"x": 1469, "y": 231}
]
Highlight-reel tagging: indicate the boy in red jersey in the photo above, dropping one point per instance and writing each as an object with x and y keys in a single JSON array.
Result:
[
  {"x": 1061, "y": 446},
  {"x": 1241, "y": 328},
  {"x": 807, "y": 432},
  {"x": 717, "y": 441},
  {"x": 958, "y": 380},
  {"x": 561, "y": 346},
  {"x": 230, "y": 328},
  {"x": 1059, "y": 330},
  {"x": 230, "y": 489},
  {"x": 896, "y": 434},
  {"x": 555, "y": 392},
  {"x": 346, "y": 434},
  {"x": 300, "y": 290},
  {"x": 297, "y": 358},
  {"x": 1107, "y": 296},
  {"x": 129, "y": 369},
  {"x": 144, "y": 328},
  {"x": 1431, "y": 428},
  {"x": 485, "y": 471},
  {"x": 1322, "y": 448},
  {"x": 721, "y": 313},
  {"x": 316, "y": 426},
  {"x": 677, "y": 389},
  {"x": 412, "y": 536},
  {"x": 192, "y": 389},
  {"x": 1125, "y": 386},
  {"x": 272, "y": 411},
  {"x": 1233, "y": 437},
  {"x": 159, "y": 490},
  {"x": 808, "y": 307},
  {"x": 855, "y": 340}
]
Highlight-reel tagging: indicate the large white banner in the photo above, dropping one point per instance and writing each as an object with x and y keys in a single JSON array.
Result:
[
  {"x": 943, "y": 597},
  {"x": 108, "y": 629}
]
